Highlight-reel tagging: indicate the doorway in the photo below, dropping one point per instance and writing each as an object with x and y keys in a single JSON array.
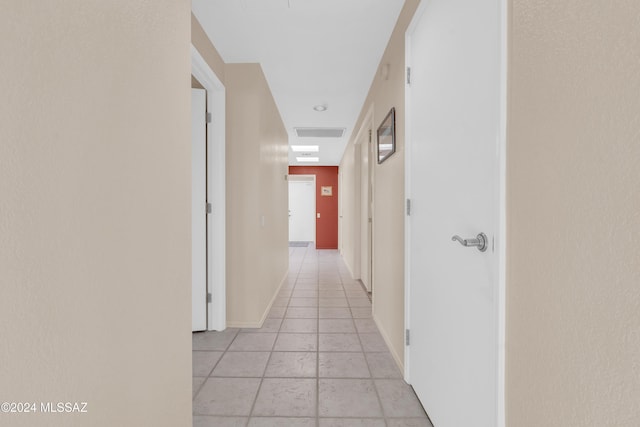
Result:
[
  {"x": 302, "y": 208},
  {"x": 198, "y": 209},
  {"x": 214, "y": 209},
  {"x": 364, "y": 223},
  {"x": 454, "y": 306}
]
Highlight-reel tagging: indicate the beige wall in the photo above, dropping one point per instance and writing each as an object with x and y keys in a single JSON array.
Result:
[
  {"x": 573, "y": 289},
  {"x": 195, "y": 83},
  {"x": 201, "y": 42},
  {"x": 95, "y": 213},
  {"x": 257, "y": 162},
  {"x": 388, "y": 215}
]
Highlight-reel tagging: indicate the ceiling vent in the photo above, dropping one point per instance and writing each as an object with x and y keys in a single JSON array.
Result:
[
  {"x": 320, "y": 132},
  {"x": 265, "y": 5}
]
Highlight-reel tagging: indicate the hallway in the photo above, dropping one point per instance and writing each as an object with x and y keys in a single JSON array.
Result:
[{"x": 318, "y": 360}]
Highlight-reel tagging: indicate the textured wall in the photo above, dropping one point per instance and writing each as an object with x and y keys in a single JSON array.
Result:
[
  {"x": 204, "y": 46},
  {"x": 257, "y": 196},
  {"x": 95, "y": 185},
  {"x": 327, "y": 206},
  {"x": 573, "y": 285}
]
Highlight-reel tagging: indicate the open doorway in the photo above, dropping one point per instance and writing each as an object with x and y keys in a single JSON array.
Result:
[
  {"x": 198, "y": 207},
  {"x": 364, "y": 156},
  {"x": 208, "y": 176}
]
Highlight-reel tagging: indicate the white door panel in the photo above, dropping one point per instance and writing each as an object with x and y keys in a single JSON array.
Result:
[
  {"x": 198, "y": 210},
  {"x": 302, "y": 211},
  {"x": 454, "y": 128}
]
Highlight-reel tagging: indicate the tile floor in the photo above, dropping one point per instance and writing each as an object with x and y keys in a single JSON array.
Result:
[{"x": 318, "y": 360}]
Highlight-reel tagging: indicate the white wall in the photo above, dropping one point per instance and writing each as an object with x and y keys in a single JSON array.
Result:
[{"x": 95, "y": 185}]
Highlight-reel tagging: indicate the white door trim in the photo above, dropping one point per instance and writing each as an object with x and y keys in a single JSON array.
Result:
[
  {"x": 502, "y": 212},
  {"x": 407, "y": 188},
  {"x": 198, "y": 215},
  {"x": 216, "y": 237},
  {"x": 501, "y": 238},
  {"x": 367, "y": 125},
  {"x": 340, "y": 204}
]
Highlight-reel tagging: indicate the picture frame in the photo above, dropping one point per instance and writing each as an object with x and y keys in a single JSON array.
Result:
[{"x": 387, "y": 136}]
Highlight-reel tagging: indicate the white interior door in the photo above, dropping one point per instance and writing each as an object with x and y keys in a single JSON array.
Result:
[
  {"x": 198, "y": 210},
  {"x": 302, "y": 209},
  {"x": 454, "y": 107}
]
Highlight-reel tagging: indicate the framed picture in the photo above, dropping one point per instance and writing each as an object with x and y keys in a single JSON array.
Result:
[
  {"x": 326, "y": 191},
  {"x": 387, "y": 136}
]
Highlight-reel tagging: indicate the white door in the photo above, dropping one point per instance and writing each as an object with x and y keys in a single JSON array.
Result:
[
  {"x": 365, "y": 211},
  {"x": 302, "y": 210},
  {"x": 198, "y": 210},
  {"x": 454, "y": 126}
]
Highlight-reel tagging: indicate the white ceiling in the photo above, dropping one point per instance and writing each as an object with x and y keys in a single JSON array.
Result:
[{"x": 312, "y": 52}]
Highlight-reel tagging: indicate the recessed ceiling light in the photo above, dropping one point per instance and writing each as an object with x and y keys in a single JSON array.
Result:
[
  {"x": 320, "y": 107},
  {"x": 308, "y": 159},
  {"x": 305, "y": 148}
]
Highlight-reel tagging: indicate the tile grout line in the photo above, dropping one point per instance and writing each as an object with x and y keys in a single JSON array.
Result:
[
  {"x": 324, "y": 267},
  {"x": 255, "y": 399},
  {"x": 212, "y": 369},
  {"x": 375, "y": 386},
  {"x": 373, "y": 382},
  {"x": 317, "y": 420}
]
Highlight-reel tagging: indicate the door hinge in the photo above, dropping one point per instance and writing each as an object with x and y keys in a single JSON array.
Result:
[
  {"x": 408, "y": 337},
  {"x": 408, "y": 207},
  {"x": 209, "y": 117},
  {"x": 209, "y": 297},
  {"x": 408, "y": 75},
  {"x": 209, "y": 208},
  {"x": 369, "y": 135}
]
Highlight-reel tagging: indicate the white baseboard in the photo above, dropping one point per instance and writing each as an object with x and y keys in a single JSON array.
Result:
[
  {"x": 399, "y": 361},
  {"x": 349, "y": 269},
  {"x": 258, "y": 324}
]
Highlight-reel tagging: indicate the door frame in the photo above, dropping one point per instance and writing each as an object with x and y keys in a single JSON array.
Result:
[
  {"x": 216, "y": 220},
  {"x": 501, "y": 220},
  {"x": 307, "y": 178},
  {"x": 340, "y": 219},
  {"x": 367, "y": 126},
  {"x": 198, "y": 215}
]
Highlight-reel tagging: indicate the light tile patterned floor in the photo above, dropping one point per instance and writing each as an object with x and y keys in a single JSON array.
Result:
[{"x": 318, "y": 360}]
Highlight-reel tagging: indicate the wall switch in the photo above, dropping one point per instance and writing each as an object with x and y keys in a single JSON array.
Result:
[{"x": 318, "y": 215}]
